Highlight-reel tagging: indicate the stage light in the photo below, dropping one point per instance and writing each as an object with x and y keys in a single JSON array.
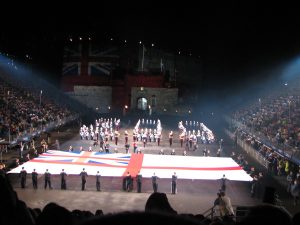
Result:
[
  {"x": 108, "y": 107},
  {"x": 71, "y": 39},
  {"x": 140, "y": 42},
  {"x": 125, "y": 41},
  {"x": 126, "y": 107},
  {"x": 80, "y": 38},
  {"x": 142, "y": 88},
  {"x": 111, "y": 39},
  {"x": 152, "y": 45}
]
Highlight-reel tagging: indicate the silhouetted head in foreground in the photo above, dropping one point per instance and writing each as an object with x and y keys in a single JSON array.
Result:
[
  {"x": 54, "y": 214},
  {"x": 158, "y": 202},
  {"x": 138, "y": 218}
]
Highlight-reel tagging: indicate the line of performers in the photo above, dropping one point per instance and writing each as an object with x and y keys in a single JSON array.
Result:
[
  {"x": 193, "y": 138},
  {"x": 128, "y": 181},
  {"x": 105, "y": 128},
  {"x": 127, "y": 185}
]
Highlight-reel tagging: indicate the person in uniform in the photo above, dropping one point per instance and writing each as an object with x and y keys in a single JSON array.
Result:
[
  {"x": 117, "y": 134},
  {"x": 126, "y": 137},
  {"x": 134, "y": 147},
  {"x": 155, "y": 183},
  {"x": 34, "y": 176},
  {"x": 48, "y": 179},
  {"x": 158, "y": 139},
  {"x": 23, "y": 175},
  {"x": 83, "y": 175},
  {"x": 98, "y": 181},
  {"x": 171, "y": 138},
  {"x": 139, "y": 182},
  {"x": 223, "y": 183},
  {"x": 63, "y": 175},
  {"x": 174, "y": 183},
  {"x": 127, "y": 148},
  {"x": 128, "y": 182},
  {"x": 181, "y": 137}
]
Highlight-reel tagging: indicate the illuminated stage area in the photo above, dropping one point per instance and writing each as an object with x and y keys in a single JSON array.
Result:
[{"x": 118, "y": 164}]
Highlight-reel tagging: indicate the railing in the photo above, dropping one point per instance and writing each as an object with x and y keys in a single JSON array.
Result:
[{"x": 210, "y": 213}]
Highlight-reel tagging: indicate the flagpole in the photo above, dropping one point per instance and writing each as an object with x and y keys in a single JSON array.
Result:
[
  {"x": 143, "y": 57},
  {"x": 41, "y": 98}
]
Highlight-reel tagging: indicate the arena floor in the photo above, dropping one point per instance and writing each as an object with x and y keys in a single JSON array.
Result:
[{"x": 193, "y": 196}]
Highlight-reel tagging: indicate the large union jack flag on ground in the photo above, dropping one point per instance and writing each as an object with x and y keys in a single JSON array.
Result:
[{"x": 117, "y": 165}]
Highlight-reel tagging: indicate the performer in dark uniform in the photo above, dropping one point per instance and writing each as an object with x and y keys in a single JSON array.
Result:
[
  {"x": 126, "y": 137},
  {"x": 154, "y": 182},
  {"x": 83, "y": 175},
  {"x": 223, "y": 183},
  {"x": 134, "y": 147},
  {"x": 98, "y": 181},
  {"x": 23, "y": 175},
  {"x": 174, "y": 183},
  {"x": 158, "y": 139},
  {"x": 181, "y": 136},
  {"x": 127, "y": 148},
  {"x": 171, "y": 138},
  {"x": 63, "y": 179},
  {"x": 34, "y": 176},
  {"x": 139, "y": 182},
  {"x": 47, "y": 179},
  {"x": 117, "y": 134},
  {"x": 128, "y": 182}
]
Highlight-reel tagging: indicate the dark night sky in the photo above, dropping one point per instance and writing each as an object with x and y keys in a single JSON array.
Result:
[{"x": 233, "y": 39}]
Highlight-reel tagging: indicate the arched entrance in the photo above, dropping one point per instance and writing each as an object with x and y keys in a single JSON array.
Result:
[{"x": 142, "y": 103}]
